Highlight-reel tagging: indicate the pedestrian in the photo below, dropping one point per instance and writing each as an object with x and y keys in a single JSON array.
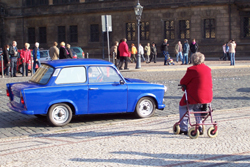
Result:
[
  {"x": 141, "y": 52},
  {"x": 124, "y": 54},
  {"x": 164, "y": 49},
  {"x": 178, "y": 52},
  {"x": 6, "y": 60},
  {"x": 147, "y": 52},
  {"x": 113, "y": 50},
  {"x": 133, "y": 53},
  {"x": 63, "y": 53},
  {"x": 36, "y": 56},
  {"x": 26, "y": 58},
  {"x": 199, "y": 87},
  {"x": 224, "y": 57},
  {"x": 69, "y": 53},
  {"x": 227, "y": 50},
  {"x": 153, "y": 53},
  {"x": 193, "y": 49},
  {"x": 186, "y": 49},
  {"x": 232, "y": 47},
  {"x": 54, "y": 52},
  {"x": 13, "y": 52}
]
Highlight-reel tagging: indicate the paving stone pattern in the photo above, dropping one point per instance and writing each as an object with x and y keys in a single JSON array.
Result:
[{"x": 231, "y": 90}]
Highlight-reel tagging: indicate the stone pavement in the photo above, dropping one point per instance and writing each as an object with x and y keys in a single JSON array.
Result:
[{"x": 142, "y": 142}]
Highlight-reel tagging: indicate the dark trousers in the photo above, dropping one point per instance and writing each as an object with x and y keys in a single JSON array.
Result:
[
  {"x": 13, "y": 63},
  {"x": 25, "y": 67},
  {"x": 7, "y": 69},
  {"x": 123, "y": 58},
  {"x": 153, "y": 56},
  {"x": 224, "y": 57},
  {"x": 133, "y": 58}
]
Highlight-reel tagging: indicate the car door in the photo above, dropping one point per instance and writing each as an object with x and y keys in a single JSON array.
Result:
[{"x": 106, "y": 93}]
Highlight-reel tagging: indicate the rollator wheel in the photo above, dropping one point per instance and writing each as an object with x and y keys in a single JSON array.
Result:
[
  {"x": 192, "y": 134},
  {"x": 210, "y": 132},
  {"x": 176, "y": 129}
]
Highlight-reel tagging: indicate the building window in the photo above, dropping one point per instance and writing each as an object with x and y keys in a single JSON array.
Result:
[
  {"x": 31, "y": 35},
  {"x": 73, "y": 34},
  {"x": 36, "y": 2},
  {"x": 209, "y": 28},
  {"x": 64, "y": 1},
  {"x": 130, "y": 31},
  {"x": 144, "y": 31},
  {"x": 169, "y": 29},
  {"x": 184, "y": 26},
  {"x": 94, "y": 32},
  {"x": 246, "y": 27},
  {"x": 61, "y": 34},
  {"x": 42, "y": 35}
]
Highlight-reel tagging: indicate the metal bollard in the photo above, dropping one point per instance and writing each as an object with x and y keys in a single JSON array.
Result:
[
  {"x": 113, "y": 58},
  {"x": 24, "y": 69},
  {"x": 31, "y": 65},
  {"x": 87, "y": 55},
  {"x": 2, "y": 66}
]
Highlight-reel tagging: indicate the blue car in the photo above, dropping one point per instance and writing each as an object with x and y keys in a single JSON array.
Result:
[{"x": 62, "y": 88}]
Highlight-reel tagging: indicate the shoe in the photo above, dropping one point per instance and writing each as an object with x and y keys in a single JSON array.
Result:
[
  {"x": 184, "y": 132},
  {"x": 120, "y": 68},
  {"x": 126, "y": 68},
  {"x": 201, "y": 131}
]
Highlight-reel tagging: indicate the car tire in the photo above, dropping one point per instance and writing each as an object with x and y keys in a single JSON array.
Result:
[
  {"x": 59, "y": 114},
  {"x": 145, "y": 107}
]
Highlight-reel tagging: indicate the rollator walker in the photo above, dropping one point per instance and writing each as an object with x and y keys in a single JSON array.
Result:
[{"x": 194, "y": 132}]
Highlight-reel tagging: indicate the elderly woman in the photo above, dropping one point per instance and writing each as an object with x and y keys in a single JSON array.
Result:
[
  {"x": 63, "y": 52},
  {"x": 198, "y": 81}
]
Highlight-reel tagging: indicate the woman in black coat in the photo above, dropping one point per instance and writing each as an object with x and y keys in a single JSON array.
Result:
[
  {"x": 6, "y": 59},
  {"x": 63, "y": 53}
]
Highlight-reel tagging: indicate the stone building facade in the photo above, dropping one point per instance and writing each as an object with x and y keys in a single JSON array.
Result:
[{"x": 78, "y": 22}]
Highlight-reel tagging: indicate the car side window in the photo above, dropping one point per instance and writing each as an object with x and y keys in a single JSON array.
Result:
[
  {"x": 76, "y": 50},
  {"x": 71, "y": 75},
  {"x": 103, "y": 74}
]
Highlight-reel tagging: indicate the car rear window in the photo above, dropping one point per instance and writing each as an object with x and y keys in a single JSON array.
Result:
[{"x": 42, "y": 74}]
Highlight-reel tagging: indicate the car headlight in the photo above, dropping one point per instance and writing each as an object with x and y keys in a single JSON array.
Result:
[{"x": 165, "y": 89}]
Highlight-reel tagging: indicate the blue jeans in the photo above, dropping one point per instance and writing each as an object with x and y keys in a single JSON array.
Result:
[
  {"x": 177, "y": 56},
  {"x": 35, "y": 63},
  {"x": 165, "y": 54},
  {"x": 232, "y": 59},
  {"x": 185, "y": 58},
  {"x": 13, "y": 64}
]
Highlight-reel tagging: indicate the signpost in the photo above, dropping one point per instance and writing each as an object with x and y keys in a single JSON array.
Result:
[{"x": 106, "y": 27}]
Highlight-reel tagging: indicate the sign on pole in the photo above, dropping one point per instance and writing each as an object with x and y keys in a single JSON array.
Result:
[{"x": 107, "y": 27}]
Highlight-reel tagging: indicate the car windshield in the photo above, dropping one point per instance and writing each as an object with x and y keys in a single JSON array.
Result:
[
  {"x": 43, "y": 54},
  {"x": 42, "y": 74}
]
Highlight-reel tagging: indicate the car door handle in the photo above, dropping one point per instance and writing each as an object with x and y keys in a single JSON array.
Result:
[{"x": 93, "y": 88}]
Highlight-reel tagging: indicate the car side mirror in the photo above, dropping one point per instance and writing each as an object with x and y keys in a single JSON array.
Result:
[{"x": 122, "y": 82}]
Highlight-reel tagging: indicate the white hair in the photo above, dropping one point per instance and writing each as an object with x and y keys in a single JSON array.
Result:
[{"x": 37, "y": 44}]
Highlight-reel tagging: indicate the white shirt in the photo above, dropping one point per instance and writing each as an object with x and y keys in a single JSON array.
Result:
[{"x": 141, "y": 50}]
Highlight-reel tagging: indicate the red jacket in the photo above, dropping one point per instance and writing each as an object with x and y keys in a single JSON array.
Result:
[
  {"x": 198, "y": 80},
  {"x": 123, "y": 49},
  {"x": 25, "y": 55}
]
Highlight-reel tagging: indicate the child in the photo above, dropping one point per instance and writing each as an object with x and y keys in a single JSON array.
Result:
[{"x": 169, "y": 60}]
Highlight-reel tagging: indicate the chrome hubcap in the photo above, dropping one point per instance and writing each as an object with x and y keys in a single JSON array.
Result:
[
  {"x": 146, "y": 107},
  {"x": 60, "y": 114}
]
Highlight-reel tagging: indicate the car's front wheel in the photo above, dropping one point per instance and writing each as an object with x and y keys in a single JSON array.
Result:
[
  {"x": 59, "y": 114},
  {"x": 145, "y": 107}
]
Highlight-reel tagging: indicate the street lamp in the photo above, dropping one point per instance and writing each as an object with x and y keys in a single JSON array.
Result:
[{"x": 138, "y": 12}]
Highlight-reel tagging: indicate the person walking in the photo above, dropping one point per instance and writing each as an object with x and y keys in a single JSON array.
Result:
[
  {"x": 193, "y": 49},
  {"x": 147, "y": 52},
  {"x": 69, "y": 53},
  {"x": 178, "y": 52},
  {"x": 199, "y": 87},
  {"x": 232, "y": 47},
  {"x": 153, "y": 53},
  {"x": 36, "y": 56},
  {"x": 164, "y": 49},
  {"x": 113, "y": 50},
  {"x": 124, "y": 54},
  {"x": 133, "y": 53},
  {"x": 186, "y": 49},
  {"x": 141, "y": 52},
  {"x": 6, "y": 60},
  {"x": 13, "y": 52},
  {"x": 54, "y": 52},
  {"x": 224, "y": 57},
  {"x": 26, "y": 58},
  {"x": 63, "y": 53}
]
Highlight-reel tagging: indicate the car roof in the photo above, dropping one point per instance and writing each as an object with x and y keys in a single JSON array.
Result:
[{"x": 76, "y": 62}]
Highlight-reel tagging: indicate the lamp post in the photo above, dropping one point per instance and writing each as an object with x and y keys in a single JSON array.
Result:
[{"x": 138, "y": 12}]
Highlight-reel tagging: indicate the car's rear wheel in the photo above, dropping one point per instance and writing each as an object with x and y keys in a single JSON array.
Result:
[
  {"x": 59, "y": 114},
  {"x": 145, "y": 107}
]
